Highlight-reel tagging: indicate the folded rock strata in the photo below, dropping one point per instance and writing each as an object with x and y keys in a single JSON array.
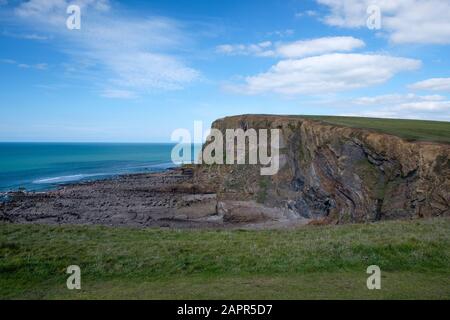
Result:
[{"x": 332, "y": 173}]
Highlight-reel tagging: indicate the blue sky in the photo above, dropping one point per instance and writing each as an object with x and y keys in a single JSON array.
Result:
[{"x": 137, "y": 70}]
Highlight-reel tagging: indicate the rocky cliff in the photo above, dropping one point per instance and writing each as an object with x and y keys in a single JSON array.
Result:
[{"x": 333, "y": 174}]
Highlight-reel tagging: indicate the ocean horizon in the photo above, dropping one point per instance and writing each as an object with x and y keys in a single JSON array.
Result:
[{"x": 43, "y": 166}]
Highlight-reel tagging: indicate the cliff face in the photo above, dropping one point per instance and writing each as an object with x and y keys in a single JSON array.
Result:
[{"x": 332, "y": 173}]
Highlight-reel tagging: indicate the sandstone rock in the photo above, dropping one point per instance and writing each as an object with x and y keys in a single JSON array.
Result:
[
  {"x": 196, "y": 206},
  {"x": 249, "y": 212}
]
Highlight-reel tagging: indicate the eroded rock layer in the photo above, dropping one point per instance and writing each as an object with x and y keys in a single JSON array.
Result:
[{"x": 333, "y": 173}]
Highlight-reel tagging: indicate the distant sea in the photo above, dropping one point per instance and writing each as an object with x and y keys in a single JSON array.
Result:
[{"x": 45, "y": 166}]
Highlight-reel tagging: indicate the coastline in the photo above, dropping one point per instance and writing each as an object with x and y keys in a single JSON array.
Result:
[
  {"x": 46, "y": 166},
  {"x": 138, "y": 199},
  {"x": 167, "y": 199},
  {"x": 51, "y": 187},
  {"x": 161, "y": 199}
]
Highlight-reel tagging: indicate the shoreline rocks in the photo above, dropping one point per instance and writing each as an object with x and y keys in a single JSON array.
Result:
[{"x": 140, "y": 200}]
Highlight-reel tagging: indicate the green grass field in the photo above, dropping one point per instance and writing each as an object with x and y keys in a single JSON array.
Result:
[
  {"x": 314, "y": 262},
  {"x": 413, "y": 130}
]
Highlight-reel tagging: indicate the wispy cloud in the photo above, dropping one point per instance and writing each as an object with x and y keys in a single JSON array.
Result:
[
  {"x": 434, "y": 84},
  {"x": 262, "y": 49},
  {"x": 304, "y": 48},
  {"x": 396, "y": 99},
  {"x": 307, "y": 13},
  {"x": 406, "y": 21},
  {"x": 281, "y": 33},
  {"x": 133, "y": 55},
  {"x": 326, "y": 73},
  {"x": 26, "y": 36},
  {"x": 38, "y": 66},
  {"x": 296, "y": 49},
  {"x": 408, "y": 106}
]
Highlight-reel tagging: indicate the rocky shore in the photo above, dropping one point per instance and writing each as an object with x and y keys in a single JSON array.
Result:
[{"x": 162, "y": 200}]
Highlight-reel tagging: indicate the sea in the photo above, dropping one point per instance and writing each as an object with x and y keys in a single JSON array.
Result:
[{"x": 46, "y": 166}]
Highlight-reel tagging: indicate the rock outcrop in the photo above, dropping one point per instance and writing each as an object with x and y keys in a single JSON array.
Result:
[{"x": 332, "y": 173}]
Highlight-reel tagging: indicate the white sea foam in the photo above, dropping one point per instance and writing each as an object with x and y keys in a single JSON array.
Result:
[
  {"x": 78, "y": 177},
  {"x": 71, "y": 178}
]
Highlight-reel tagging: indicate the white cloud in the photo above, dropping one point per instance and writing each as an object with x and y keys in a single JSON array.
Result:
[
  {"x": 307, "y": 13},
  {"x": 326, "y": 73},
  {"x": 38, "y": 66},
  {"x": 30, "y": 36},
  {"x": 281, "y": 33},
  {"x": 306, "y": 48},
  {"x": 297, "y": 49},
  {"x": 391, "y": 99},
  {"x": 262, "y": 49},
  {"x": 434, "y": 84},
  {"x": 425, "y": 106},
  {"x": 420, "y": 110},
  {"x": 405, "y": 21},
  {"x": 55, "y": 10},
  {"x": 144, "y": 70},
  {"x": 405, "y": 106},
  {"x": 33, "y": 37},
  {"x": 115, "y": 50}
]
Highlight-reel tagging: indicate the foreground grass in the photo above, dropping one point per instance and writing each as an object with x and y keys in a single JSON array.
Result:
[
  {"x": 413, "y": 130},
  {"x": 311, "y": 262}
]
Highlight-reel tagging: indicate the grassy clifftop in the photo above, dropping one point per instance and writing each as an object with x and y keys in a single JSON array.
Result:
[
  {"x": 312, "y": 262},
  {"x": 413, "y": 130}
]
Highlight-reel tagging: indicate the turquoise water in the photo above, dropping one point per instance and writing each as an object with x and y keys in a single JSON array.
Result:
[{"x": 44, "y": 166}]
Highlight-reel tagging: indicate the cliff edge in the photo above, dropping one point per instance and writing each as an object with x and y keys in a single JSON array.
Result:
[{"x": 331, "y": 173}]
